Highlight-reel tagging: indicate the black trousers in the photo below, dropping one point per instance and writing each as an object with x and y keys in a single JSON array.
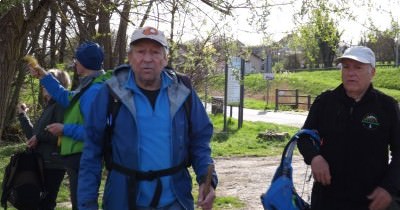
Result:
[
  {"x": 72, "y": 164},
  {"x": 53, "y": 179}
]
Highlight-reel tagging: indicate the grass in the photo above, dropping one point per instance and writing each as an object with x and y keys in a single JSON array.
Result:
[
  {"x": 244, "y": 141},
  {"x": 308, "y": 82}
]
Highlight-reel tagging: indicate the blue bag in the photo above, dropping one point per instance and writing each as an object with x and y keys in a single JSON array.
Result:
[{"x": 281, "y": 194}]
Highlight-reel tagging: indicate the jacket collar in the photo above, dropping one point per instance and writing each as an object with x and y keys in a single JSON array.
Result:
[{"x": 340, "y": 93}]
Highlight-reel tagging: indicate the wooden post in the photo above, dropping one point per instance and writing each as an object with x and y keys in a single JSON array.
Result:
[{"x": 276, "y": 99}]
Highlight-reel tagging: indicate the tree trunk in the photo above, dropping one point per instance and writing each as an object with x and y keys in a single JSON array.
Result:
[
  {"x": 171, "y": 35},
  {"x": 11, "y": 49},
  {"x": 92, "y": 9},
  {"x": 120, "y": 42},
  {"x": 105, "y": 33},
  {"x": 63, "y": 33},
  {"x": 14, "y": 29},
  {"x": 52, "y": 26}
]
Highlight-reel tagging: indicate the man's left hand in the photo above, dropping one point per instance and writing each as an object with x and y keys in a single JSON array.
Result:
[
  {"x": 206, "y": 201},
  {"x": 380, "y": 199}
]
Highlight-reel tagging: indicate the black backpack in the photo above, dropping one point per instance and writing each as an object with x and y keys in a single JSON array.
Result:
[{"x": 23, "y": 181}]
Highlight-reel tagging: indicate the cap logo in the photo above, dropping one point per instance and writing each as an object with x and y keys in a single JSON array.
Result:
[{"x": 150, "y": 31}]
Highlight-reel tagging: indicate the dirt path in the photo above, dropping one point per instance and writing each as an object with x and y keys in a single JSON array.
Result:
[{"x": 248, "y": 177}]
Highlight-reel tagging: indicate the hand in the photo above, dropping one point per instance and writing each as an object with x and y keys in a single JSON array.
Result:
[
  {"x": 380, "y": 199},
  {"x": 37, "y": 71},
  {"x": 32, "y": 142},
  {"x": 320, "y": 170},
  {"x": 55, "y": 129},
  {"x": 206, "y": 201},
  {"x": 22, "y": 108}
]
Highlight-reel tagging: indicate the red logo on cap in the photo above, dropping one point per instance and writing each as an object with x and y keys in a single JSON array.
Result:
[{"x": 150, "y": 31}]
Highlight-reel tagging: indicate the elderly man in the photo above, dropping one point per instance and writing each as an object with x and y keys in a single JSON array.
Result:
[
  {"x": 153, "y": 139},
  {"x": 358, "y": 125}
]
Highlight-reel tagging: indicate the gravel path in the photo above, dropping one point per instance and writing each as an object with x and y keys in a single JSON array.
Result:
[{"x": 248, "y": 177}]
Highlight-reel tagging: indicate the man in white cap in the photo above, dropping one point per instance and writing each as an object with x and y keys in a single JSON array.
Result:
[
  {"x": 154, "y": 136},
  {"x": 358, "y": 125}
]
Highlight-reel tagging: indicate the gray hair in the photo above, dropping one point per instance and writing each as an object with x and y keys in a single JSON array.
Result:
[{"x": 62, "y": 76}]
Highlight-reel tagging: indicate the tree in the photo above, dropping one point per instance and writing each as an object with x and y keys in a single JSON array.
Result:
[
  {"x": 319, "y": 38},
  {"x": 15, "y": 29},
  {"x": 51, "y": 30}
]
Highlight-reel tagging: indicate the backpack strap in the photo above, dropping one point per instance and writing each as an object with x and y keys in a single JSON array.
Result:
[
  {"x": 76, "y": 97},
  {"x": 113, "y": 107},
  {"x": 188, "y": 83},
  {"x": 40, "y": 164}
]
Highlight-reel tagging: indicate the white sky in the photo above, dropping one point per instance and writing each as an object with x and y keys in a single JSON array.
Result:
[{"x": 280, "y": 21}]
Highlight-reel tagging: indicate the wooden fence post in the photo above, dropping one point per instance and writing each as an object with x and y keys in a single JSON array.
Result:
[{"x": 276, "y": 99}]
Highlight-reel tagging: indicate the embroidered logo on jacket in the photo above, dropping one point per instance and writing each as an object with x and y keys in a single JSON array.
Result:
[{"x": 370, "y": 122}]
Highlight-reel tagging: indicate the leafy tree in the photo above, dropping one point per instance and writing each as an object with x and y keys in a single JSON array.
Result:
[
  {"x": 319, "y": 38},
  {"x": 383, "y": 43}
]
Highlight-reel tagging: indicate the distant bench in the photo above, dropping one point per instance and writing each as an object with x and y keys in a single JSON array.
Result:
[{"x": 291, "y": 98}]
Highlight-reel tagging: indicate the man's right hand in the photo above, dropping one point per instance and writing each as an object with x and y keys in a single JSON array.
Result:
[
  {"x": 320, "y": 170},
  {"x": 37, "y": 71}
]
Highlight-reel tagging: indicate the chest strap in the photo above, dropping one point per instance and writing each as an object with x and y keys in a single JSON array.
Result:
[{"x": 135, "y": 176}]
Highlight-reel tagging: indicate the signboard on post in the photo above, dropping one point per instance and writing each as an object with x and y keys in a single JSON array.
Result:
[
  {"x": 233, "y": 90},
  {"x": 269, "y": 76}
]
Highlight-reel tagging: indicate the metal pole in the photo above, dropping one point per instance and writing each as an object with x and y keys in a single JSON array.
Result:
[
  {"x": 242, "y": 63},
  {"x": 225, "y": 93},
  {"x": 276, "y": 99},
  {"x": 397, "y": 50}
]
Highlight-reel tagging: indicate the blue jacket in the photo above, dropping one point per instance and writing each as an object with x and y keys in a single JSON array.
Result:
[
  {"x": 194, "y": 146},
  {"x": 63, "y": 97}
]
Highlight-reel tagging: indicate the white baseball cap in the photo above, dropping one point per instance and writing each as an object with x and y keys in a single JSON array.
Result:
[
  {"x": 358, "y": 53},
  {"x": 149, "y": 33}
]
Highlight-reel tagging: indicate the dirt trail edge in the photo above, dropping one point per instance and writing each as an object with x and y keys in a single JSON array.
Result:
[{"x": 247, "y": 178}]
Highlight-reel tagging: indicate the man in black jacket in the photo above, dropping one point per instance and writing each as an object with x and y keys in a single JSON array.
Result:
[{"x": 358, "y": 125}]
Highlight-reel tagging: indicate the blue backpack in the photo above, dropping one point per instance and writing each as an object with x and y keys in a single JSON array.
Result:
[{"x": 281, "y": 194}]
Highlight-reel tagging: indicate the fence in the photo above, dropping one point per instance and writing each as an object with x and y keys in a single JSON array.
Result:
[{"x": 291, "y": 98}]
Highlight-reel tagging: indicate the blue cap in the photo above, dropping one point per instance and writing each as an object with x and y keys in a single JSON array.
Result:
[{"x": 90, "y": 55}]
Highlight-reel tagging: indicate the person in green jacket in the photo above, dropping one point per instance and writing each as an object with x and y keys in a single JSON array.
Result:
[
  {"x": 88, "y": 62},
  {"x": 45, "y": 143}
]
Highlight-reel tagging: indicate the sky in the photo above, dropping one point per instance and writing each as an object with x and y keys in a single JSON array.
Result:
[{"x": 281, "y": 23}]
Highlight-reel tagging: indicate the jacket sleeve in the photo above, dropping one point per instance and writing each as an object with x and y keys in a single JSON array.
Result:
[
  {"x": 55, "y": 114},
  {"x": 56, "y": 90},
  {"x": 305, "y": 146},
  {"x": 26, "y": 125},
  {"x": 91, "y": 160},
  {"x": 391, "y": 181},
  {"x": 200, "y": 137}
]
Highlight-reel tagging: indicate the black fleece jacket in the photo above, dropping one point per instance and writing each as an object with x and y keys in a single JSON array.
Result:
[
  {"x": 356, "y": 137},
  {"x": 47, "y": 142}
]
